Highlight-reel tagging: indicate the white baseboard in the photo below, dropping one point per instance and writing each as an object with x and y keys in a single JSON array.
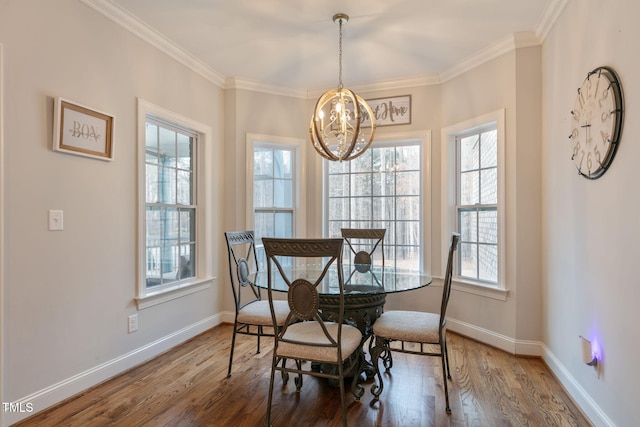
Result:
[
  {"x": 63, "y": 390},
  {"x": 589, "y": 407},
  {"x": 503, "y": 342},
  {"x": 56, "y": 393}
]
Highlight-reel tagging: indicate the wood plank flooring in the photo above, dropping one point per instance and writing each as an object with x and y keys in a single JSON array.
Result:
[{"x": 187, "y": 386}]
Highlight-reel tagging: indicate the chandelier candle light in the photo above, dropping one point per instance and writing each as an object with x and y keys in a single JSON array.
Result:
[{"x": 335, "y": 126}]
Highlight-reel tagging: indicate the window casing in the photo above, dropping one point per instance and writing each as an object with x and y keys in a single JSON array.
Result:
[
  {"x": 473, "y": 202},
  {"x": 382, "y": 188},
  {"x": 173, "y": 258},
  {"x": 275, "y": 188}
]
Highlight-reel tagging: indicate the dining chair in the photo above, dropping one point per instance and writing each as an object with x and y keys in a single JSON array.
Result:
[
  {"x": 305, "y": 336},
  {"x": 252, "y": 313},
  {"x": 359, "y": 238},
  {"x": 417, "y": 328}
]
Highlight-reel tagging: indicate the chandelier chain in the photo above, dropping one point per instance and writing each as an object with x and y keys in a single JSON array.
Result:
[{"x": 340, "y": 85}]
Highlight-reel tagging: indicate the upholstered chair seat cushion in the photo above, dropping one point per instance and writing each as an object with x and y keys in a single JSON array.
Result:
[
  {"x": 413, "y": 326},
  {"x": 311, "y": 332},
  {"x": 259, "y": 313}
]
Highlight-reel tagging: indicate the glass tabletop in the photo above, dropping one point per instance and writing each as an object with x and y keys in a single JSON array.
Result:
[{"x": 358, "y": 279}]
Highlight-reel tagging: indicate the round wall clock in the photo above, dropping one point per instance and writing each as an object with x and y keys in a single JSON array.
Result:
[{"x": 596, "y": 122}]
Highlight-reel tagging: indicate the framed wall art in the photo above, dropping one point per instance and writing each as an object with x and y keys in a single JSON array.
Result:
[
  {"x": 81, "y": 130},
  {"x": 389, "y": 111}
]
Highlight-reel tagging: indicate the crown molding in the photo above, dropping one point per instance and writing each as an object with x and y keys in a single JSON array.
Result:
[
  {"x": 137, "y": 27},
  {"x": 391, "y": 84},
  {"x": 131, "y": 23},
  {"x": 550, "y": 15},
  {"x": 240, "y": 83},
  {"x": 395, "y": 84},
  {"x": 512, "y": 42}
]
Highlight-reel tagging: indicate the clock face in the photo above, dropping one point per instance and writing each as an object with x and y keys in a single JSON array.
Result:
[{"x": 596, "y": 122}]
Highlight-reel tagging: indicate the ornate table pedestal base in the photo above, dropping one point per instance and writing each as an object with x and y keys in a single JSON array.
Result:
[{"x": 361, "y": 311}]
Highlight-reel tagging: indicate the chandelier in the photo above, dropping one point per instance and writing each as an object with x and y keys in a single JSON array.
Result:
[{"x": 335, "y": 128}]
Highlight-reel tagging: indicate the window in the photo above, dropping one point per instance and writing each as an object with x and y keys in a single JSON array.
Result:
[
  {"x": 473, "y": 201},
  {"x": 275, "y": 188},
  {"x": 172, "y": 204},
  {"x": 380, "y": 189},
  {"x": 477, "y": 211}
]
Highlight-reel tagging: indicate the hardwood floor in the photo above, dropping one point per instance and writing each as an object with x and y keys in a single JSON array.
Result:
[{"x": 187, "y": 386}]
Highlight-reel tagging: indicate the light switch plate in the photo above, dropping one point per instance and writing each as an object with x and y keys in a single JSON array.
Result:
[{"x": 56, "y": 222}]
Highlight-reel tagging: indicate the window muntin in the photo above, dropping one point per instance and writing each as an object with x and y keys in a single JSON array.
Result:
[
  {"x": 170, "y": 203},
  {"x": 380, "y": 189},
  {"x": 476, "y": 208},
  {"x": 274, "y": 193}
]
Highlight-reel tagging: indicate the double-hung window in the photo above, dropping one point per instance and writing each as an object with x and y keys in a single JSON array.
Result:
[
  {"x": 473, "y": 202},
  {"x": 275, "y": 188},
  {"x": 172, "y": 202},
  {"x": 382, "y": 188},
  {"x": 477, "y": 209}
]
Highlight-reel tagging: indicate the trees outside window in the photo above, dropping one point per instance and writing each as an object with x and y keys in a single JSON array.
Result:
[{"x": 380, "y": 189}]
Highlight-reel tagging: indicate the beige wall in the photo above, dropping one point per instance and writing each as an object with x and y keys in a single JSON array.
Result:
[
  {"x": 510, "y": 82},
  {"x": 591, "y": 228},
  {"x": 249, "y": 112},
  {"x": 67, "y": 294},
  {"x": 527, "y": 193}
]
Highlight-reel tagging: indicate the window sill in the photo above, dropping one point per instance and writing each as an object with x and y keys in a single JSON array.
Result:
[
  {"x": 480, "y": 289},
  {"x": 170, "y": 293}
]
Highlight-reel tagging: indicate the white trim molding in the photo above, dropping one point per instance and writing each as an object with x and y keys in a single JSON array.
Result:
[
  {"x": 494, "y": 339},
  {"x": 512, "y": 42},
  {"x": 583, "y": 400},
  {"x": 550, "y": 15},
  {"x": 122, "y": 17},
  {"x": 448, "y": 186},
  {"x": 204, "y": 245},
  {"x": 299, "y": 146},
  {"x": 131, "y": 23},
  {"x": 71, "y": 386},
  {"x": 589, "y": 407}
]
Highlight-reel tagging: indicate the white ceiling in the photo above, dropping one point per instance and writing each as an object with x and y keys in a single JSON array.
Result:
[{"x": 293, "y": 44}]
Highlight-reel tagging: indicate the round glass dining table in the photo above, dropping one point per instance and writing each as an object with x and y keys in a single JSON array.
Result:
[{"x": 365, "y": 289}]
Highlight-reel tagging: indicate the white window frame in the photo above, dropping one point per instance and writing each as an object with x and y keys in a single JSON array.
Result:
[
  {"x": 422, "y": 138},
  {"x": 298, "y": 146},
  {"x": 449, "y": 202},
  {"x": 148, "y": 297}
]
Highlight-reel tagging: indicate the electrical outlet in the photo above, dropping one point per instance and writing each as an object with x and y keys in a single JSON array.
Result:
[{"x": 133, "y": 323}]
